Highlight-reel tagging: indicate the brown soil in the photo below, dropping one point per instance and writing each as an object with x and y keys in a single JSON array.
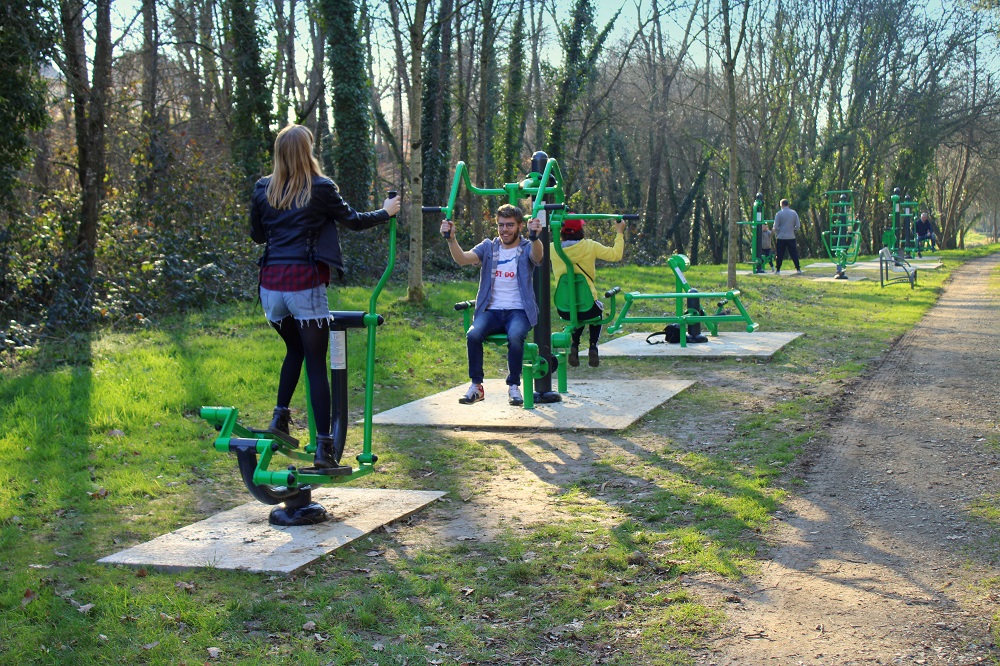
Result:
[{"x": 876, "y": 558}]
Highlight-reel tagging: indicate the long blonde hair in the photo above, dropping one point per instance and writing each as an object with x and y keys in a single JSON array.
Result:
[{"x": 294, "y": 168}]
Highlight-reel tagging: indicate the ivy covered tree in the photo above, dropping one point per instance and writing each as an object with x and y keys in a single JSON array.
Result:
[
  {"x": 436, "y": 125},
  {"x": 252, "y": 138},
  {"x": 353, "y": 152},
  {"x": 25, "y": 41},
  {"x": 507, "y": 142},
  {"x": 582, "y": 46}
]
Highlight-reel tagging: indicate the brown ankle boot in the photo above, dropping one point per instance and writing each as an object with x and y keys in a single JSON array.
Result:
[{"x": 574, "y": 356}]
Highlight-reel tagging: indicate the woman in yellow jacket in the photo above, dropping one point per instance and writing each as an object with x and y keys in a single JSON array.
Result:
[{"x": 584, "y": 252}]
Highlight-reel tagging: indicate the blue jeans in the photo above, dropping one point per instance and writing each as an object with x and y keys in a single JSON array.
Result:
[{"x": 512, "y": 322}]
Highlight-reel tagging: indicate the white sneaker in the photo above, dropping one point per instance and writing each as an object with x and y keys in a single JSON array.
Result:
[
  {"x": 514, "y": 395},
  {"x": 473, "y": 395}
]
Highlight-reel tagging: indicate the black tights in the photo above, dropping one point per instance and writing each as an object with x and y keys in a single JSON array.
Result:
[{"x": 306, "y": 340}]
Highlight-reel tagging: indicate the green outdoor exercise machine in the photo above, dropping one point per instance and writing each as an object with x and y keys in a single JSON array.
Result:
[
  {"x": 685, "y": 314},
  {"x": 544, "y": 186},
  {"x": 901, "y": 236},
  {"x": 843, "y": 240},
  {"x": 256, "y": 449},
  {"x": 757, "y": 221}
]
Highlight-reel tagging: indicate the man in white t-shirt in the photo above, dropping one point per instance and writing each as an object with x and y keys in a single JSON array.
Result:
[{"x": 505, "y": 302}]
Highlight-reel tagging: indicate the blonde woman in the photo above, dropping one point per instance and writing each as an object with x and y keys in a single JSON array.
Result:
[{"x": 295, "y": 211}]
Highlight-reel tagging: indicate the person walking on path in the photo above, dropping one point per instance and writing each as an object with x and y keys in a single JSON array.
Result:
[
  {"x": 584, "y": 252},
  {"x": 296, "y": 211},
  {"x": 786, "y": 223},
  {"x": 505, "y": 302}
]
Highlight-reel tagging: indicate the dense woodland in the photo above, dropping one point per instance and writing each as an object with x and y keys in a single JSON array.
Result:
[{"x": 132, "y": 132}]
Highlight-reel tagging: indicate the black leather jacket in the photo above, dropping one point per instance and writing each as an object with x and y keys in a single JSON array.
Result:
[{"x": 306, "y": 235}]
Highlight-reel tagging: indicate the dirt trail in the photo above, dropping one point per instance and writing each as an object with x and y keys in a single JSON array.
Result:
[{"x": 878, "y": 560}]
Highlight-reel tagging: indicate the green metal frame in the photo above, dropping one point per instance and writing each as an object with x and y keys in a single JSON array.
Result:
[
  {"x": 573, "y": 290},
  {"x": 901, "y": 237},
  {"x": 237, "y": 438},
  {"x": 535, "y": 365},
  {"x": 685, "y": 316},
  {"x": 843, "y": 240},
  {"x": 757, "y": 221}
]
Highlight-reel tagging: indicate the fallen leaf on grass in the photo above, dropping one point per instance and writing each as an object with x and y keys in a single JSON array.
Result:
[
  {"x": 141, "y": 573},
  {"x": 467, "y": 591},
  {"x": 100, "y": 493},
  {"x": 39, "y": 566},
  {"x": 187, "y": 587},
  {"x": 374, "y": 553},
  {"x": 85, "y": 609},
  {"x": 29, "y": 596},
  {"x": 150, "y": 646},
  {"x": 214, "y": 652},
  {"x": 378, "y": 647},
  {"x": 102, "y": 638},
  {"x": 309, "y": 626},
  {"x": 116, "y": 433}
]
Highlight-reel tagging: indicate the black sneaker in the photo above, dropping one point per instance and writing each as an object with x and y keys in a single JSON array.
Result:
[{"x": 593, "y": 360}]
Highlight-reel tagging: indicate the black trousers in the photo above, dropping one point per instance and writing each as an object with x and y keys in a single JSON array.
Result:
[
  {"x": 793, "y": 252},
  {"x": 594, "y": 330}
]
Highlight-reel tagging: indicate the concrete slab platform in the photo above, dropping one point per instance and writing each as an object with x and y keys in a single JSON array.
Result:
[
  {"x": 241, "y": 538},
  {"x": 784, "y": 274},
  {"x": 725, "y": 345},
  {"x": 922, "y": 264},
  {"x": 589, "y": 405},
  {"x": 851, "y": 277}
]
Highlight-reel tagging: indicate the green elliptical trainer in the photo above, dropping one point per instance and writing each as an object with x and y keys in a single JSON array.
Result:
[
  {"x": 843, "y": 240},
  {"x": 255, "y": 448}
]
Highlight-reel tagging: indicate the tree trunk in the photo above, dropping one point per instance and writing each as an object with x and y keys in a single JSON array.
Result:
[
  {"x": 415, "y": 279},
  {"x": 89, "y": 106}
]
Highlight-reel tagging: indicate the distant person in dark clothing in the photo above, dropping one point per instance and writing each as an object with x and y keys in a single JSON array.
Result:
[
  {"x": 926, "y": 231},
  {"x": 786, "y": 223}
]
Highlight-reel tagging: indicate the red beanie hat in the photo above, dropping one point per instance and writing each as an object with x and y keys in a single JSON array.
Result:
[{"x": 572, "y": 225}]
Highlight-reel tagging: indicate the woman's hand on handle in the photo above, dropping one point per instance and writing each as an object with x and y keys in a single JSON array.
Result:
[
  {"x": 391, "y": 206},
  {"x": 619, "y": 226}
]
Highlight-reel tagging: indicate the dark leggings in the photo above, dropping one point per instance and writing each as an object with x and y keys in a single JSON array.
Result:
[
  {"x": 306, "y": 340},
  {"x": 595, "y": 312},
  {"x": 793, "y": 251}
]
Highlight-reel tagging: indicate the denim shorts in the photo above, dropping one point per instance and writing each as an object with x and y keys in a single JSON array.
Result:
[{"x": 306, "y": 305}]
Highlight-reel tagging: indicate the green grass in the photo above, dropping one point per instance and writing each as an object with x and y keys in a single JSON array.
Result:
[{"x": 101, "y": 448}]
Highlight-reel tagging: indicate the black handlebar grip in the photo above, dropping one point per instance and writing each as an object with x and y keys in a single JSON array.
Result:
[
  {"x": 555, "y": 206},
  {"x": 393, "y": 194},
  {"x": 431, "y": 209},
  {"x": 464, "y": 305},
  {"x": 611, "y": 292},
  {"x": 630, "y": 216}
]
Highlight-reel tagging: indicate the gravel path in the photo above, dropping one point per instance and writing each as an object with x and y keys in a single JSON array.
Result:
[{"x": 880, "y": 558}]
